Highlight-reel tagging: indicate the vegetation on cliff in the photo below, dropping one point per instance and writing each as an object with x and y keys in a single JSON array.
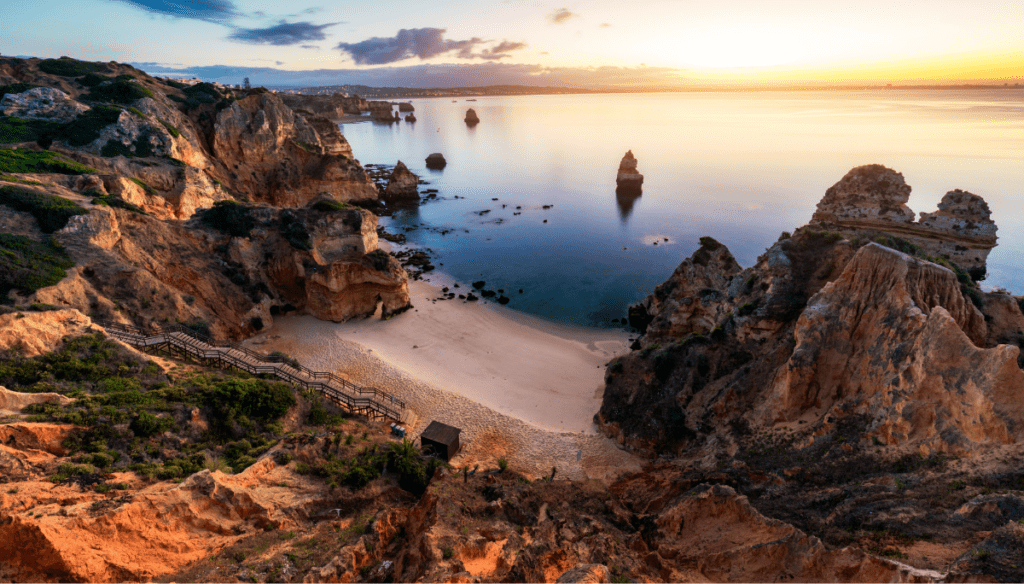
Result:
[
  {"x": 51, "y": 211},
  {"x": 27, "y": 265}
]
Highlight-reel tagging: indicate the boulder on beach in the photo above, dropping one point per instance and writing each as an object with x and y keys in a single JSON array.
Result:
[
  {"x": 471, "y": 117},
  {"x": 628, "y": 179},
  {"x": 402, "y": 184},
  {"x": 436, "y": 161}
]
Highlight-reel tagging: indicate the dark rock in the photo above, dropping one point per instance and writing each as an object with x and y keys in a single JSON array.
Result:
[
  {"x": 436, "y": 161},
  {"x": 503, "y": 299},
  {"x": 479, "y": 285},
  {"x": 471, "y": 117}
]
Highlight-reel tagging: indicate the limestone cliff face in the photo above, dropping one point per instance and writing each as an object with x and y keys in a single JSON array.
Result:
[
  {"x": 275, "y": 156},
  {"x": 874, "y": 198},
  {"x": 827, "y": 327},
  {"x": 879, "y": 342},
  {"x": 332, "y": 107}
]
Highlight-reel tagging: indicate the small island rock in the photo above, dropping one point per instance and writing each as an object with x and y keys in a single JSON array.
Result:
[
  {"x": 471, "y": 117},
  {"x": 436, "y": 161},
  {"x": 402, "y": 184},
  {"x": 628, "y": 179}
]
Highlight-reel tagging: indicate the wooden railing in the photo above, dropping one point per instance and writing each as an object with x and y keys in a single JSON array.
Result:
[{"x": 194, "y": 344}]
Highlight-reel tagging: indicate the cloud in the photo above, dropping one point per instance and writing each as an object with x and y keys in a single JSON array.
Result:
[
  {"x": 499, "y": 51},
  {"x": 506, "y": 46},
  {"x": 310, "y": 47},
  {"x": 409, "y": 42},
  {"x": 285, "y": 33},
  {"x": 218, "y": 11},
  {"x": 561, "y": 15}
]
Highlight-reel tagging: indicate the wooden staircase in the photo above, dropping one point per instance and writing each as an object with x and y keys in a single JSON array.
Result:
[{"x": 183, "y": 342}]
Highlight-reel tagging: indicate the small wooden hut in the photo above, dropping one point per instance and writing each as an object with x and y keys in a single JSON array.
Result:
[{"x": 440, "y": 439}]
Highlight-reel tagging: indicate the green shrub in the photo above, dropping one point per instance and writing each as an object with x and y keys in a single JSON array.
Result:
[
  {"x": 229, "y": 217},
  {"x": 52, "y": 212},
  {"x": 257, "y": 399},
  {"x": 87, "y": 127},
  {"x": 93, "y": 79},
  {"x": 318, "y": 414},
  {"x": 119, "y": 92},
  {"x": 145, "y": 187},
  {"x": 502, "y": 464},
  {"x": 146, "y": 425},
  {"x": 67, "y": 67},
  {"x": 328, "y": 205},
  {"x": 15, "y": 88},
  {"x": 28, "y": 265},
  {"x": 14, "y": 130},
  {"x": 379, "y": 259},
  {"x": 23, "y": 160},
  {"x": 141, "y": 148},
  {"x": 295, "y": 232}
]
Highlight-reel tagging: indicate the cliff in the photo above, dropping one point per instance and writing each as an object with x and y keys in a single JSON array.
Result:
[
  {"x": 140, "y": 162},
  {"x": 827, "y": 325}
]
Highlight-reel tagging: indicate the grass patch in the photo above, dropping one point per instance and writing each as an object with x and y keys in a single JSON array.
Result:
[
  {"x": 170, "y": 128},
  {"x": 122, "y": 91},
  {"x": 67, "y": 67},
  {"x": 145, "y": 187},
  {"x": 21, "y": 181},
  {"x": 28, "y": 265},
  {"x": 93, "y": 79},
  {"x": 52, "y": 212},
  {"x": 328, "y": 205},
  {"x": 23, "y": 161}
]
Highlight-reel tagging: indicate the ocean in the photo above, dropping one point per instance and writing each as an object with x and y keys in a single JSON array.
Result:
[{"x": 741, "y": 167}]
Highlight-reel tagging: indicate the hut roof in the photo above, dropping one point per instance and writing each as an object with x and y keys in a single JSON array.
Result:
[{"x": 442, "y": 433}]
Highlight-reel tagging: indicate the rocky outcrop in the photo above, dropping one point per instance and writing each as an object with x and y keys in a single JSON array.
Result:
[
  {"x": 405, "y": 107},
  {"x": 42, "y": 103},
  {"x": 827, "y": 327},
  {"x": 11, "y": 402},
  {"x": 436, "y": 161},
  {"x": 331, "y": 139},
  {"x": 381, "y": 111},
  {"x": 873, "y": 198},
  {"x": 402, "y": 186},
  {"x": 275, "y": 156},
  {"x": 332, "y": 107},
  {"x": 628, "y": 179},
  {"x": 471, "y": 117},
  {"x": 36, "y": 333},
  {"x": 410, "y": 118}
]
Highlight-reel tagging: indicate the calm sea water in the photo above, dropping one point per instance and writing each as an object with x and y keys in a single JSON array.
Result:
[{"x": 741, "y": 167}]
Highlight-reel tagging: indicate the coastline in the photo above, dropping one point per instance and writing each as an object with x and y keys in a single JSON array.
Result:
[{"x": 517, "y": 386}]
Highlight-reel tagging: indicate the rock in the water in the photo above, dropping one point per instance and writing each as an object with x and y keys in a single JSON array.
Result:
[
  {"x": 628, "y": 179},
  {"x": 381, "y": 111},
  {"x": 406, "y": 107},
  {"x": 471, "y": 117},
  {"x": 402, "y": 184},
  {"x": 410, "y": 118},
  {"x": 436, "y": 161},
  {"x": 42, "y": 103}
]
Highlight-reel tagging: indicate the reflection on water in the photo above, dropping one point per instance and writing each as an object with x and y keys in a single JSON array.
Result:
[
  {"x": 625, "y": 199},
  {"x": 742, "y": 167}
]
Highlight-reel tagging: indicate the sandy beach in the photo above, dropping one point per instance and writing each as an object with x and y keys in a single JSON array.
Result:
[{"x": 517, "y": 386}]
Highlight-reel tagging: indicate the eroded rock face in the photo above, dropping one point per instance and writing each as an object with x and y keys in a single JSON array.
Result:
[
  {"x": 12, "y": 401},
  {"x": 37, "y": 333},
  {"x": 402, "y": 186},
  {"x": 629, "y": 178},
  {"x": 275, "y": 156},
  {"x": 331, "y": 139},
  {"x": 879, "y": 342},
  {"x": 873, "y": 198},
  {"x": 42, "y": 103}
]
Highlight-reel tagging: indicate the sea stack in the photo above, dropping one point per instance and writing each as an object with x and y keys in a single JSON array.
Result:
[
  {"x": 436, "y": 161},
  {"x": 410, "y": 118},
  {"x": 628, "y": 180},
  {"x": 471, "y": 118},
  {"x": 402, "y": 185}
]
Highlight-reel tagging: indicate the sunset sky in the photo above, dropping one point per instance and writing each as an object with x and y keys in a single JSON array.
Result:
[{"x": 600, "y": 42}]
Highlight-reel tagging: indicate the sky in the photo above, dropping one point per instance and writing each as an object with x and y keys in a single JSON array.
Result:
[{"x": 609, "y": 43}]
